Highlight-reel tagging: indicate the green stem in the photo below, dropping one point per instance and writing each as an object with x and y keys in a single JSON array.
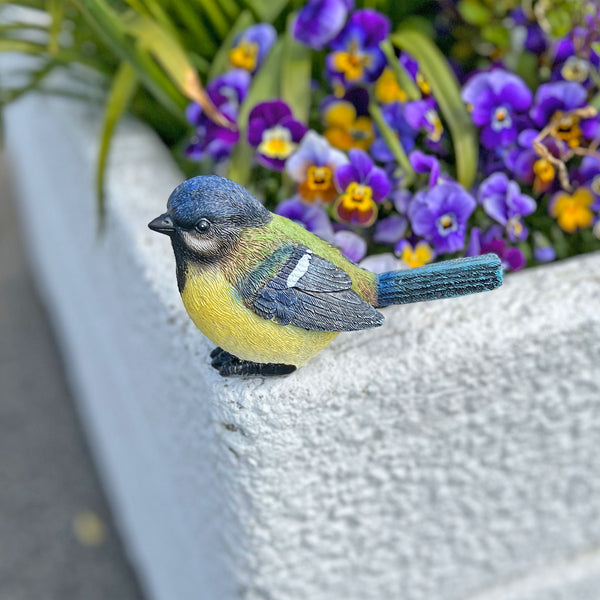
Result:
[{"x": 391, "y": 139}]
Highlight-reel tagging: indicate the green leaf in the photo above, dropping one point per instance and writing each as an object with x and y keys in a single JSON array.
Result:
[
  {"x": 110, "y": 29},
  {"x": 474, "y": 12},
  {"x": 220, "y": 62},
  {"x": 204, "y": 38},
  {"x": 153, "y": 8},
  {"x": 392, "y": 141},
  {"x": 559, "y": 18},
  {"x": 265, "y": 86},
  {"x": 56, "y": 10},
  {"x": 446, "y": 91},
  {"x": 22, "y": 46},
  {"x": 211, "y": 10},
  {"x": 121, "y": 92},
  {"x": 496, "y": 34},
  {"x": 527, "y": 67},
  {"x": 296, "y": 69},
  {"x": 167, "y": 51},
  {"x": 231, "y": 8},
  {"x": 264, "y": 11}
]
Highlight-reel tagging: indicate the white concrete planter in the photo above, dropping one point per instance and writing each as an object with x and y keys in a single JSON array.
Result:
[{"x": 453, "y": 454}]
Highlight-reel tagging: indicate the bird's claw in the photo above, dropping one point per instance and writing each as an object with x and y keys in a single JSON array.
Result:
[{"x": 228, "y": 365}]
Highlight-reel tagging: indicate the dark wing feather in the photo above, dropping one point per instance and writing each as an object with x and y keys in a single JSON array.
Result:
[{"x": 295, "y": 286}]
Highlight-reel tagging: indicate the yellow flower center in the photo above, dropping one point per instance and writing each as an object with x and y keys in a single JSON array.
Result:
[
  {"x": 358, "y": 197},
  {"x": 244, "y": 55},
  {"x": 318, "y": 185},
  {"x": 544, "y": 170},
  {"x": 566, "y": 127},
  {"x": 438, "y": 129},
  {"x": 514, "y": 224},
  {"x": 573, "y": 211},
  {"x": 351, "y": 63},
  {"x": 446, "y": 224},
  {"x": 387, "y": 88},
  {"x": 422, "y": 84},
  {"x": 277, "y": 143},
  {"x": 422, "y": 254},
  {"x": 319, "y": 178}
]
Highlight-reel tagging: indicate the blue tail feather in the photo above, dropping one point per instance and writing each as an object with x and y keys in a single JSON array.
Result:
[{"x": 445, "y": 279}]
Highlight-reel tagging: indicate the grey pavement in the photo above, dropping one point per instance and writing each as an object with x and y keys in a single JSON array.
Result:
[{"x": 57, "y": 541}]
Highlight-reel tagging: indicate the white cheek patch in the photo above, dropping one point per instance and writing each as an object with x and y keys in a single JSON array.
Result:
[
  {"x": 198, "y": 244},
  {"x": 299, "y": 270}
]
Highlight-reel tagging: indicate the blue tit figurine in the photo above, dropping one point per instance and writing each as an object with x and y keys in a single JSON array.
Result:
[{"x": 270, "y": 294}]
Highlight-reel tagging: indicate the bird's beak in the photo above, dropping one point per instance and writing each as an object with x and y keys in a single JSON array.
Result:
[{"x": 162, "y": 224}]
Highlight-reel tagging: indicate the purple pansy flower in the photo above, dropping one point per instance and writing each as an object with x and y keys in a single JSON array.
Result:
[
  {"x": 427, "y": 163},
  {"x": 520, "y": 159},
  {"x": 411, "y": 66},
  {"x": 553, "y": 102},
  {"x": 528, "y": 166},
  {"x": 312, "y": 166},
  {"x": 382, "y": 263},
  {"x": 356, "y": 56},
  {"x": 492, "y": 159},
  {"x": 227, "y": 92},
  {"x": 393, "y": 114},
  {"x": 440, "y": 215},
  {"x": 497, "y": 99},
  {"x": 535, "y": 38},
  {"x": 543, "y": 250},
  {"x": 503, "y": 201},
  {"x": 491, "y": 241},
  {"x": 391, "y": 230},
  {"x": 361, "y": 185},
  {"x": 311, "y": 216},
  {"x": 575, "y": 57},
  {"x": 251, "y": 46},
  {"x": 320, "y": 21},
  {"x": 401, "y": 199},
  {"x": 422, "y": 115},
  {"x": 274, "y": 132},
  {"x": 352, "y": 246}
]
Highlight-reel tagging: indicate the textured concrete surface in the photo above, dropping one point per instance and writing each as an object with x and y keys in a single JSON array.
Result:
[
  {"x": 450, "y": 455},
  {"x": 56, "y": 536}
]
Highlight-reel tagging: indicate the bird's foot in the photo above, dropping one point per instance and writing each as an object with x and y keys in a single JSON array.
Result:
[{"x": 228, "y": 364}]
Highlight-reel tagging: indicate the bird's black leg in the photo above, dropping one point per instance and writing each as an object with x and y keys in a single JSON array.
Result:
[{"x": 228, "y": 364}]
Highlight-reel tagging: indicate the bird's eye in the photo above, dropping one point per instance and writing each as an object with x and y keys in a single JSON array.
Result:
[{"x": 202, "y": 225}]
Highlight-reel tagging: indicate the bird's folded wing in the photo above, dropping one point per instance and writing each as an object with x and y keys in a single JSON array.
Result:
[{"x": 295, "y": 286}]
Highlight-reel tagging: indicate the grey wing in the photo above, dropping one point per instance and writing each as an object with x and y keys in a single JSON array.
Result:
[{"x": 298, "y": 287}]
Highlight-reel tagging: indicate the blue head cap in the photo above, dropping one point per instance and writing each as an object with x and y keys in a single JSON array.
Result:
[{"x": 217, "y": 199}]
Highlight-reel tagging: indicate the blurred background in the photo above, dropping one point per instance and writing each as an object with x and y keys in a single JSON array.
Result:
[{"x": 57, "y": 538}]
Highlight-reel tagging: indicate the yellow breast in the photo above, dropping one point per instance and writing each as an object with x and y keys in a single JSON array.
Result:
[{"x": 216, "y": 309}]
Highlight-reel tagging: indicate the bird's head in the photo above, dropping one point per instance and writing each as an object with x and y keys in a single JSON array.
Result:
[{"x": 205, "y": 216}]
